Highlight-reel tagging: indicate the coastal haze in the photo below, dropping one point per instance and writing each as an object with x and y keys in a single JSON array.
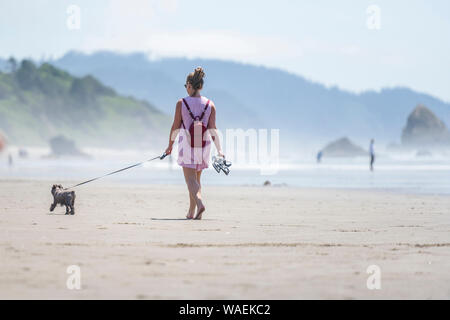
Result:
[
  {"x": 121, "y": 105},
  {"x": 98, "y": 93}
]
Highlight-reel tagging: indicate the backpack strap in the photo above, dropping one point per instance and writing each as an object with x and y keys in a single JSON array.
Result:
[
  {"x": 204, "y": 110},
  {"x": 189, "y": 109},
  {"x": 190, "y": 112}
]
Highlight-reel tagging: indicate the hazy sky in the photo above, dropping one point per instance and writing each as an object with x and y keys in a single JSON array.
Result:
[{"x": 325, "y": 41}]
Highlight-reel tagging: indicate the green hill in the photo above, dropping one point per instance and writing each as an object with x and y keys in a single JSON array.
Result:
[{"x": 37, "y": 103}]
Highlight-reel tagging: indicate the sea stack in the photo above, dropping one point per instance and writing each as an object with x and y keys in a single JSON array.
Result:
[
  {"x": 425, "y": 130},
  {"x": 343, "y": 147}
]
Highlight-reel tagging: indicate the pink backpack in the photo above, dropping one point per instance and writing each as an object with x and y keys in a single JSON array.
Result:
[{"x": 197, "y": 129}]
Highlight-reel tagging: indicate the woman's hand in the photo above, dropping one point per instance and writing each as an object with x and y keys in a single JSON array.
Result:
[
  {"x": 168, "y": 150},
  {"x": 220, "y": 154}
]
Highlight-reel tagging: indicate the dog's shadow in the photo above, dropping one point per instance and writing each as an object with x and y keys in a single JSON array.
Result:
[{"x": 58, "y": 214}]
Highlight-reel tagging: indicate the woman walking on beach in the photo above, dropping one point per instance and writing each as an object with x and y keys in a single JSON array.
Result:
[{"x": 195, "y": 121}]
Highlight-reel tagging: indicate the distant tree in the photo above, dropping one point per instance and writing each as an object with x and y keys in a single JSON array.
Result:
[
  {"x": 27, "y": 75},
  {"x": 87, "y": 88},
  {"x": 12, "y": 64}
]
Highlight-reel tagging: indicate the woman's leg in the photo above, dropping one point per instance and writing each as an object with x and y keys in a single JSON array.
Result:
[
  {"x": 199, "y": 174},
  {"x": 192, "y": 202},
  {"x": 192, "y": 206},
  {"x": 199, "y": 212},
  {"x": 190, "y": 176}
]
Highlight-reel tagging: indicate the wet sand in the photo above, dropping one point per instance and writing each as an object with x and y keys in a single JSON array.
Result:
[{"x": 132, "y": 242}]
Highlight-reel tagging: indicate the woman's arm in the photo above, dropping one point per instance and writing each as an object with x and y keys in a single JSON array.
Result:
[
  {"x": 213, "y": 130},
  {"x": 175, "y": 127}
]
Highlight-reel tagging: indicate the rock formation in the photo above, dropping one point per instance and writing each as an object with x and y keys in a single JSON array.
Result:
[
  {"x": 62, "y": 146},
  {"x": 425, "y": 130},
  {"x": 343, "y": 147}
]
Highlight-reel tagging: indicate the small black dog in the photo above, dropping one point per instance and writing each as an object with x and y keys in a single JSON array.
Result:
[{"x": 63, "y": 198}]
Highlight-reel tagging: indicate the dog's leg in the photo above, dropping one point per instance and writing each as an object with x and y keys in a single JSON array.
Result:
[
  {"x": 73, "y": 203},
  {"x": 52, "y": 206},
  {"x": 67, "y": 209}
]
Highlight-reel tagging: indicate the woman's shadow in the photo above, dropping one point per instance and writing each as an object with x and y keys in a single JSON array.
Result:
[
  {"x": 174, "y": 219},
  {"x": 170, "y": 219}
]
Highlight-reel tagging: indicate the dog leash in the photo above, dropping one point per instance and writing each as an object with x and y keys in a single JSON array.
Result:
[{"x": 117, "y": 171}]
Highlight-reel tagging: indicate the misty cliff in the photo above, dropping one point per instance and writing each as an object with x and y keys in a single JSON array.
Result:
[{"x": 38, "y": 103}]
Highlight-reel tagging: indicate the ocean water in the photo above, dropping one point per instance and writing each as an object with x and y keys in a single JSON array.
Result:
[{"x": 404, "y": 173}]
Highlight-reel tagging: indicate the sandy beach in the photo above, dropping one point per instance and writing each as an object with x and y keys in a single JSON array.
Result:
[{"x": 132, "y": 242}]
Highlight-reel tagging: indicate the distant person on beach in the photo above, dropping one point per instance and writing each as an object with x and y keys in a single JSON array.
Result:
[
  {"x": 372, "y": 153},
  {"x": 194, "y": 114},
  {"x": 2, "y": 142},
  {"x": 319, "y": 156},
  {"x": 10, "y": 160}
]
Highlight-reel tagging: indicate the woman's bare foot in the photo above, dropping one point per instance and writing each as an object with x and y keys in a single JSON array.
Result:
[
  {"x": 190, "y": 215},
  {"x": 200, "y": 211},
  {"x": 191, "y": 212}
]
